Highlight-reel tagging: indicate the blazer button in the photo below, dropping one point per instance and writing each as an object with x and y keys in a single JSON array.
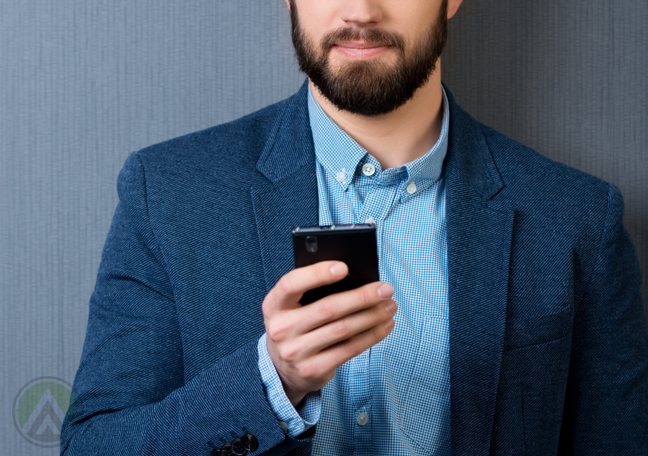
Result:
[
  {"x": 216, "y": 452},
  {"x": 250, "y": 442},
  {"x": 238, "y": 449},
  {"x": 226, "y": 450}
]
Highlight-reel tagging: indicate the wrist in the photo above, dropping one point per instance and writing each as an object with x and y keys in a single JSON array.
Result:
[{"x": 295, "y": 397}]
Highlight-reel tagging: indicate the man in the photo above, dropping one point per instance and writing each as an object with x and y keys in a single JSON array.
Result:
[{"x": 508, "y": 319}]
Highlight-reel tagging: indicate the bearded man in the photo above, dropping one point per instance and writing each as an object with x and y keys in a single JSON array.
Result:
[{"x": 508, "y": 319}]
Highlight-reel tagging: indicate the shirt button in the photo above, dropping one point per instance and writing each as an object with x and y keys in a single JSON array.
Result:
[
  {"x": 368, "y": 169},
  {"x": 283, "y": 426},
  {"x": 411, "y": 188},
  {"x": 363, "y": 418},
  {"x": 341, "y": 176},
  {"x": 370, "y": 221}
]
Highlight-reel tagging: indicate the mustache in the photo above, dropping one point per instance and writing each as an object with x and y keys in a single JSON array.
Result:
[{"x": 373, "y": 36}]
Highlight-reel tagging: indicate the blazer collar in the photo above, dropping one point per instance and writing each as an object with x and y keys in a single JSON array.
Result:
[
  {"x": 290, "y": 143},
  {"x": 469, "y": 158}
]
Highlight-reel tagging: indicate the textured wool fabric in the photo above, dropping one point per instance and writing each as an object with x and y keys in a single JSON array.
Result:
[{"x": 548, "y": 350}]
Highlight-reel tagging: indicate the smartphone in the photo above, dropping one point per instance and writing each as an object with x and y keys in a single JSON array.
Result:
[{"x": 355, "y": 245}]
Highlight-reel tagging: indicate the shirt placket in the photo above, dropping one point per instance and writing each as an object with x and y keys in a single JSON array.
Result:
[{"x": 375, "y": 208}]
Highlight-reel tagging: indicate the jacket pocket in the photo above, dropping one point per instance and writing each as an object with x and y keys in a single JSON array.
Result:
[
  {"x": 539, "y": 348},
  {"x": 524, "y": 332}
]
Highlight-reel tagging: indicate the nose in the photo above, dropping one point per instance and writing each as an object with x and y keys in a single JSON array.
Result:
[{"x": 361, "y": 13}]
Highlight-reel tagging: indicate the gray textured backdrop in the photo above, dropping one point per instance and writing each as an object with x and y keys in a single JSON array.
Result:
[{"x": 83, "y": 83}]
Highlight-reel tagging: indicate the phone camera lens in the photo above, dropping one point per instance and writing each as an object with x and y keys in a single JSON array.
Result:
[{"x": 311, "y": 244}]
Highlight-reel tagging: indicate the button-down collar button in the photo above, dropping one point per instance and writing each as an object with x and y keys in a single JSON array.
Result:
[
  {"x": 368, "y": 169},
  {"x": 370, "y": 221},
  {"x": 411, "y": 188},
  {"x": 341, "y": 176},
  {"x": 363, "y": 418},
  {"x": 250, "y": 442},
  {"x": 284, "y": 426},
  {"x": 237, "y": 448}
]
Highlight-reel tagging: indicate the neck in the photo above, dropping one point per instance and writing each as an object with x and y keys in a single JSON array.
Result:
[{"x": 401, "y": 136}]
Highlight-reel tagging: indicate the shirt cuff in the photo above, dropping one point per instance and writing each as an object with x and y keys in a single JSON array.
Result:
[{"x": 295, "y": 420}]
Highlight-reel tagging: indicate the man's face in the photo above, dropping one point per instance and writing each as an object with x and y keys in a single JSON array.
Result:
[{"x": 368, "y": 57}]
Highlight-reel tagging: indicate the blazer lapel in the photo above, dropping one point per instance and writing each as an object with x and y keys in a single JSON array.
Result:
[
  {"x": 289, "y": 198},
  {"x": 479, "y": 241}
]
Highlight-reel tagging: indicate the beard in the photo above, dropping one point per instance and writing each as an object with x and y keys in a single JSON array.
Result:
[{"x": 372, "y": 87}]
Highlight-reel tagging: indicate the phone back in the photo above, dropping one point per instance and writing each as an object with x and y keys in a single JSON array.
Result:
[{"x": 355, "y": 245}]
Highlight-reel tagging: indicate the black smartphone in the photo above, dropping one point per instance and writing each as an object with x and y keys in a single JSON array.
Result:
[{"x": 355, "y": 245}]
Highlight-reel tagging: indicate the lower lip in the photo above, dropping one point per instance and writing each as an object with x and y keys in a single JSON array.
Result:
[{"x": 361, "y": 53}]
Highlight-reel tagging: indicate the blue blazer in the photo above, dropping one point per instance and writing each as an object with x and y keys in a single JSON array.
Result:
[{"x": 548, "y": 346}]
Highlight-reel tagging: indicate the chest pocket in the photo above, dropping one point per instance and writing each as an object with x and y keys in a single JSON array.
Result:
[
  {"x": 424, "y": 416},
  {"x": 524, "y": 332}
]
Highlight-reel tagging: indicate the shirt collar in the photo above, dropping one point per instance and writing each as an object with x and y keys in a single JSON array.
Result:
[{"x": 340, "y": 154}]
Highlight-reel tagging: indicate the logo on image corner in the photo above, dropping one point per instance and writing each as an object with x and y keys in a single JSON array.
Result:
[{"x": 39, "y": 409}]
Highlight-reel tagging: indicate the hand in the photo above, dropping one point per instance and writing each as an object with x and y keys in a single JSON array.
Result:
[{"x": 307, "y": 343}]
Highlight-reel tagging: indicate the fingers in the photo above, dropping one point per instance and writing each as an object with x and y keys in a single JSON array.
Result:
[
  {"x": 342, "y": 352},
  {"x": 292, "y": 286},
  {"x": 339, "y": 305},
  {"x": 348, "y": 327}
]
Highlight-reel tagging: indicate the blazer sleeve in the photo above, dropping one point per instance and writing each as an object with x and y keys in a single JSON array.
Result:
[
  {"x": 606, "y": 410},
  {"x": 129, "y": 394}
]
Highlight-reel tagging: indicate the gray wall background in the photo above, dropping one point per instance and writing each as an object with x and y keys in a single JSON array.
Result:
[{"x": 83, "y": 83}]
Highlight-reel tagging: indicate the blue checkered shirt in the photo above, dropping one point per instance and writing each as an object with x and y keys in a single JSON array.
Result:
[{"x": 393, "y": 399}]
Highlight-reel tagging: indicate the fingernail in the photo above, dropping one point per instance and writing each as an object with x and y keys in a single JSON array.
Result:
[
  {"x": 337, "y": 270},
  {"x": 389, "y": 323},
  {"x": 385, "y": 290},
  {"x": 390, "y": 306}
]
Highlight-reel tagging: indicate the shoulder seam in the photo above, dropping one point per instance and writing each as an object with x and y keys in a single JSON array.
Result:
[
  {"x": 148, "y": 222},
  {"x": 601, "y": 242}
]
